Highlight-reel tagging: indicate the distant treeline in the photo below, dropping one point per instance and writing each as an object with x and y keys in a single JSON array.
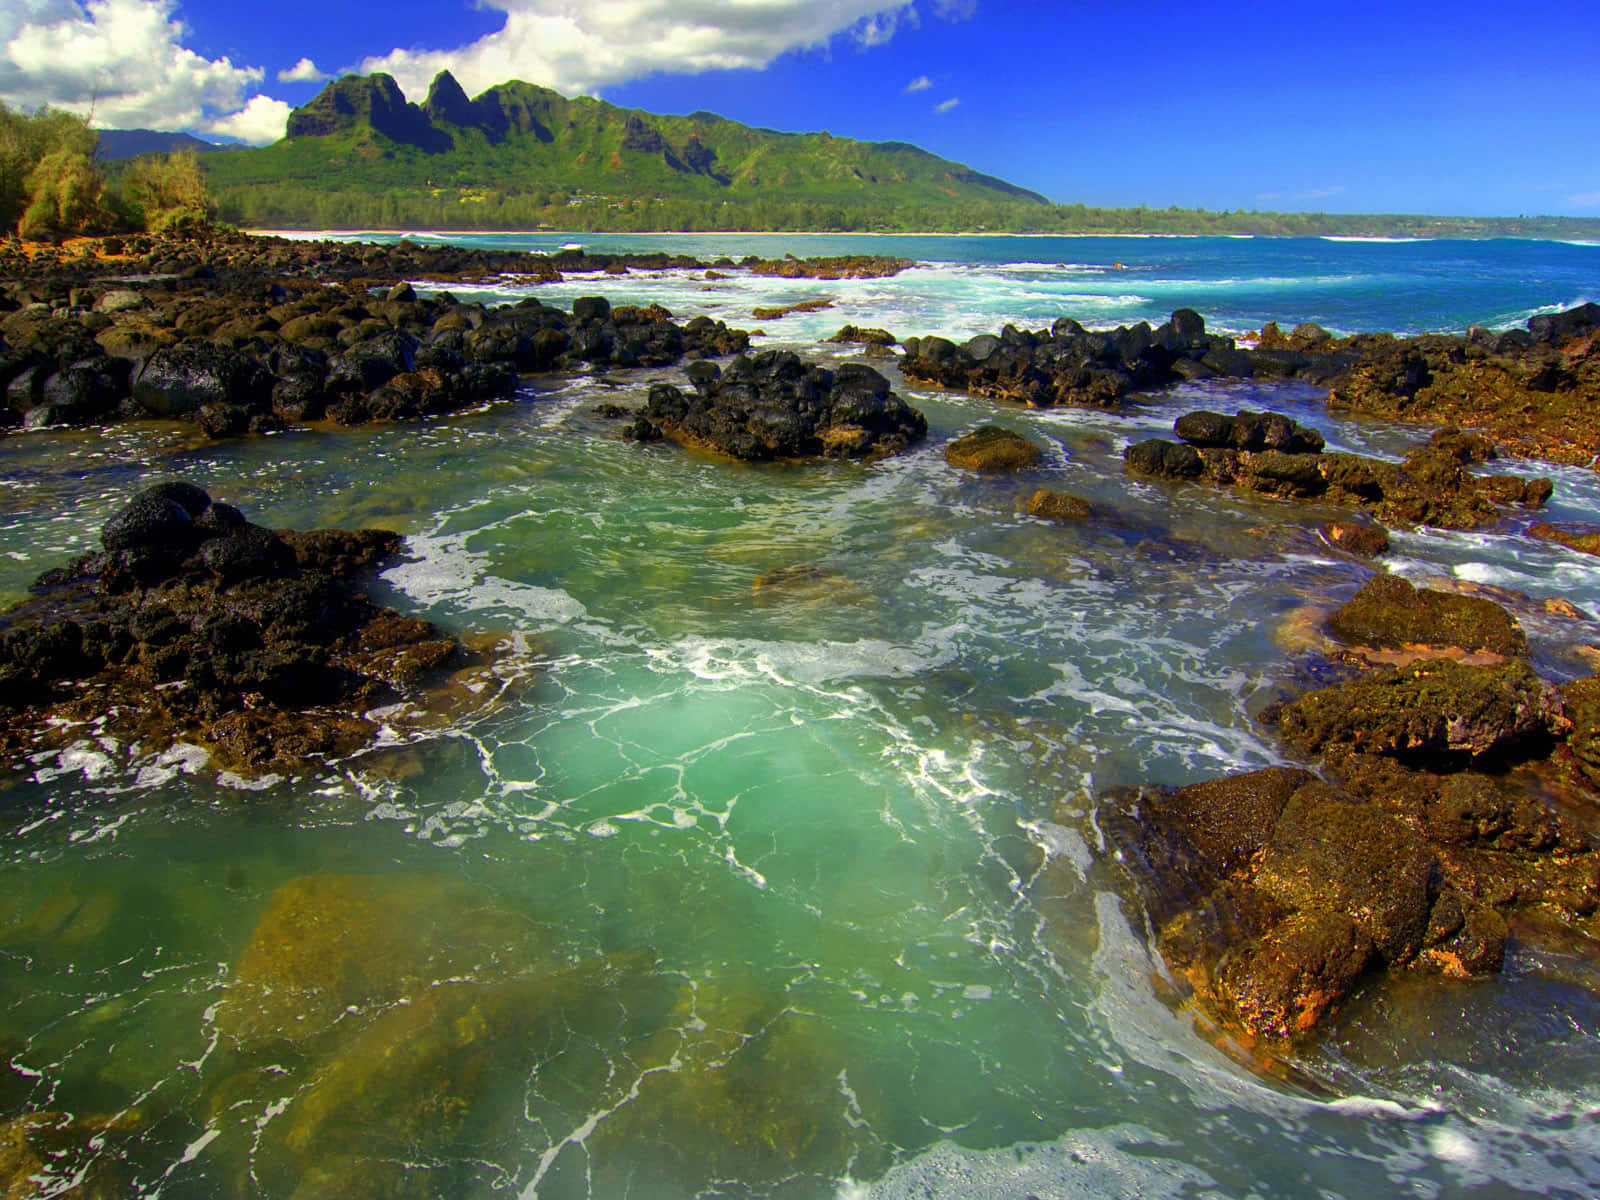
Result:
[{"x": 261, "y": 206}]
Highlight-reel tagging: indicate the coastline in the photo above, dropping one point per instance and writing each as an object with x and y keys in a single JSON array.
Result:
[{"x": 834, "y": 233}]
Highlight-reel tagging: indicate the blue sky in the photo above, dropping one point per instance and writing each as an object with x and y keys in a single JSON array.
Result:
[{"x": 1467, "y": 108}]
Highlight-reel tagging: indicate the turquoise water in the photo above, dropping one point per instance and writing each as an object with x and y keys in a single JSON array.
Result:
[
  {"x": 972, "y": 285},
  {"x": 809, "y": 862}
]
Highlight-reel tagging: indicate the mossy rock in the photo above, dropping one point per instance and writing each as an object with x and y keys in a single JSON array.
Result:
[
  {"x": 1436, "y": 708},
  {"x": 1389, "y": 612},
  {"x": 1364, "y": 541},
  {"x": 991, "y": 448},
  {"x": 1057, "y": 506}
]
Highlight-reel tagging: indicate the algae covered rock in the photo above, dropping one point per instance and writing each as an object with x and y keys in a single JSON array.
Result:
[
  {"x": 1057, "y": 506},
  {"x": 59, "y": 1154},
  {"x": 758, "y": 1092},
  {"x": 992, "y": 448},
  {"x": 1389, "y": 612},
  {"x": 330, "y": 944},
  {"x": 1430, "y": 709}
]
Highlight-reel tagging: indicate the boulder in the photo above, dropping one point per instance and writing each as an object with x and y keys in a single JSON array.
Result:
[
  {"x": 1160, "y": 459},
  {"x": 774, "y": 406},
  {"x": 1388, "y": 612},
  {"x": 1057, "y": 506},
  {"x": 1250, "y": 431},
  {"x": 177, "y": 381},
  {"x": 990, "y": 448}
]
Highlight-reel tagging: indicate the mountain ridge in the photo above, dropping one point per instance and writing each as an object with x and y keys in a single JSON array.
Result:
[{"x": 517, "y": 135}]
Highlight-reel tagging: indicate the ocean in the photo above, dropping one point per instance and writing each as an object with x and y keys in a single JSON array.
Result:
[{"x": 793, "y": 797}]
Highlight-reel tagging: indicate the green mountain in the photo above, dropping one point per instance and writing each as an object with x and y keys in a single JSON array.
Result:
[{"x": 361, "y": 138}]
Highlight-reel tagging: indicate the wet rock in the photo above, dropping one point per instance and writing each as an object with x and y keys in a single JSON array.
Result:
[
  {"x": 1057, "y": 506},
  {"x": 1429, "y": 488},
  {"x": 1585, "y": 539},
  {"x": 1274, "y": 893},
  {"x": 774, "y": 406},
  {"x": 1389, "y": 612},
  {"x": 1432, "y": 709},
  {"x": 1364, "y": 541},
  {"x": 991, "y": 448},
  {"x": 1160, "y": 459},
  {"x": 864, "y": 336},
  {"x": 1251, "y": 431},
  {"x": 1530, "y": 391},
  {"x": 179, "y": 380},
  {"x": 272, "y": 655}
]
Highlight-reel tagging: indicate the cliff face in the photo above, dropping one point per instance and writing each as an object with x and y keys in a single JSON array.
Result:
[{"x": 358, "y": 102}]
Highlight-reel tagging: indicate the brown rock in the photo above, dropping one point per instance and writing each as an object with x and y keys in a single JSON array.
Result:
[{"x": 991, "y": 448}]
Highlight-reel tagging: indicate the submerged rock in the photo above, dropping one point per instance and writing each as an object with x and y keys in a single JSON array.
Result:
[
  {"x": 992, "y": 448},
  {"x": 1057, "y": 506},
  {"x": 773, "y": 406}
]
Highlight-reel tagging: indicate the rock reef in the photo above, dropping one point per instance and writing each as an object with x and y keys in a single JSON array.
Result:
[
  {"x": 1270, "y": 454},
  {"x": 193, "y": 624},
  {"x": 1454, "y": 806},
  {"x": 772, "y": 406}
]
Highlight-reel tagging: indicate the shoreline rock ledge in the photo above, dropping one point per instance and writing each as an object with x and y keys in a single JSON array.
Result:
[{"x": 193, "y": 624}]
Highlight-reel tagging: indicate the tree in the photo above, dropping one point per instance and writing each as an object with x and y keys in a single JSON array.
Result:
[
  {"x": 66, "y": 196},
  {"x": 168, "y": 195},
  {"x": 26, "y": 139}
]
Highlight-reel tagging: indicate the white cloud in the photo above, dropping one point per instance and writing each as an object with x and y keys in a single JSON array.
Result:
[
  {"x": 945, "y": 106},
  {"x": 920, "y": 84},
  {"x": 122, "y": 60},
  {"x": 261, "y": 121},
  {"x": 304, "y": 71},
  {"x": 955, "y": 10},
  {"x": 1587, "y": 200},
  {"x": 577, "y": 48}
]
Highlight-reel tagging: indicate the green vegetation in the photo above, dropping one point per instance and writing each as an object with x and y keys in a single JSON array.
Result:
[
  {"x": 52, "y": 187},
  {"x": 521, "y": 157}
]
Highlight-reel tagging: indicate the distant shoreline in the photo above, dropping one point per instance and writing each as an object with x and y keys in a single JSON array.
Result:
[{"x": 577, "y": 234}]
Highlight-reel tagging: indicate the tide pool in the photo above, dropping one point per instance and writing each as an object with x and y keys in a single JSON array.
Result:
[{"x": 776, "y": 873}]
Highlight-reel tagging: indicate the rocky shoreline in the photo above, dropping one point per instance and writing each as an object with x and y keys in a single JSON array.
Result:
[
  {"x": 1444, "y": 801},
  {"x": 194, "y": 625}
]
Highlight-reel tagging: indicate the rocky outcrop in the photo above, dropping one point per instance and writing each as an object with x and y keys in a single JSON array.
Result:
[
  {"x": 1534, "y": 390},
  {"x": 1070, "y": 365},
  {"x": 1272, "y": 455},
  {"x": 1272, "y": 894},
  {"x": 193, "y": 624},
  {"x": 772, "y": 406},
  {"x": 1388, "y": 612}
]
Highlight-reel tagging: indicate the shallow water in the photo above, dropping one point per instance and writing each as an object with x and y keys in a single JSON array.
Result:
[{"x": 794, "y": 850}]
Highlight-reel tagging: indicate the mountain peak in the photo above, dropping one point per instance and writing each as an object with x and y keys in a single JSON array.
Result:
[{"x": 447, "y": 102}]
